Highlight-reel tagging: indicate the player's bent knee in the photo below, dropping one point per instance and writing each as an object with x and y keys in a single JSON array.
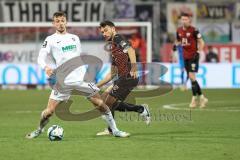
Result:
[
  {"x": 109, "y": 103},
  {"x": 97, "y": 101},
  {"x": 192, "y": 76}
]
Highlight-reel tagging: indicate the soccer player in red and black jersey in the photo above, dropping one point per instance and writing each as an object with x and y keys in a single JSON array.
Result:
[
  {"x": 123, "y": 67},
  {"x": 192, "y": 43}
]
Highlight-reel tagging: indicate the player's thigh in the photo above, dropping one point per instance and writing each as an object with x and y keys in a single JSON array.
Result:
[
  {"x": 84, "y": 88},
  {"x": 52, "y": 104},
  {"x": 89, "y": 90},
  {"x": 187, "y": 65},
  {"x": 192, "y": 76},
  {"x": 96, "y": 100},
  {"x": 106, "y": 93},
  {"x": 195, "y": 63},
  {"x": 120, "y": 94},
  {"x": 121, "y": 89},
  {"x": 110, "y": 100},
  {"x": 192, "y": 65},
  {"x": 57, "y": 96}
]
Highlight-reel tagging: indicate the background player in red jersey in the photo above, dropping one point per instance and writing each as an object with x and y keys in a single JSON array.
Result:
[{"x": 192, "y": 43}]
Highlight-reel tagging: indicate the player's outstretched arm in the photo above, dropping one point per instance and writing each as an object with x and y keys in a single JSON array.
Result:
[
  {"x": 132, "y": 57},
  {"x": 104, "y": 81}
]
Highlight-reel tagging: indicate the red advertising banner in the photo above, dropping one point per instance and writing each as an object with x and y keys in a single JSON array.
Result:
[{"x": 227, "y": 53}]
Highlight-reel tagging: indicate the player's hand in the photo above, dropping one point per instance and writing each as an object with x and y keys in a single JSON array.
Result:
[
  {"x": 174, "y": 47},
  {"x": 133, "y": 71},
  {"x": 49, "y": 71},
  {"x": 197, "y": 55},
  {"x": 52, "y": 80}
]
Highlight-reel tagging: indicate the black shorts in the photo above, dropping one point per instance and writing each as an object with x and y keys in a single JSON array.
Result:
[
  {"x": 191, "y": 65},
  {"x": 122, "y": 87}
]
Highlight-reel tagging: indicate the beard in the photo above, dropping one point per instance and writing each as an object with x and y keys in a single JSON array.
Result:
[{"x": 186, "y": 25}]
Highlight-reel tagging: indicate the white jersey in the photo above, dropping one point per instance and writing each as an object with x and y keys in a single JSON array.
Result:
[{"x": 59, "y": 48}]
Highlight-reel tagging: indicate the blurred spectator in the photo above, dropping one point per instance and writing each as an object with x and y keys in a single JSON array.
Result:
[
  {"x": 139, "y": 44},
  {"x": 211, "y": 57},
  {"x": 124, "y": 9}
]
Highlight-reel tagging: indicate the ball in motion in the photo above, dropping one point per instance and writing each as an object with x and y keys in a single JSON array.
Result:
[{"x": 55, "y": 133}]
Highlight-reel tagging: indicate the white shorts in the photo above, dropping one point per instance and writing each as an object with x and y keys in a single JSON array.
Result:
[{"x": 74, "y": 88}]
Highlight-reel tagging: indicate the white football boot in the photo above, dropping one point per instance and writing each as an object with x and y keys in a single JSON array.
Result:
[
  {"x": 104, "y": 133},
  {"x": 203, "y": 101},
  {"x": 121, "y": 134},
  {"x": 146, "y": 114},
  {"x": 34, "y": 134},
  {"x": 193, "y": 103}
]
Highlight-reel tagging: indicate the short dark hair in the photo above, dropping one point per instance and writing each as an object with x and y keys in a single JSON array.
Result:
[
  {"x": 184, "y": 14},
  {"x": 106, "y": 23},
  {"x": 59, "y": 14}
]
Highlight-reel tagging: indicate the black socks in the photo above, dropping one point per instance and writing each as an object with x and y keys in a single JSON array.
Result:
[
  {"x": 123, "y": 107},
  {"x": 196, "y": 90}
]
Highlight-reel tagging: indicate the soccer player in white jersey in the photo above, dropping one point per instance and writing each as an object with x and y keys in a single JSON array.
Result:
[{"x": 61, "y": 47}]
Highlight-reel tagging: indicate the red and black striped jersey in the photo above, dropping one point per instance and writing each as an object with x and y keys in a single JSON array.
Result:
[{"x": 120, "y": 58}]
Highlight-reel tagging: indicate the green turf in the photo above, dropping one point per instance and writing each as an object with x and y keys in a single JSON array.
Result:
[{"x": 210, "y": 134}]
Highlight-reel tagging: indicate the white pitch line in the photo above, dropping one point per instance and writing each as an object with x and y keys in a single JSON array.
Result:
[
  {"x": 174, "y": 106},
  {"x": 29, "y": 111}
]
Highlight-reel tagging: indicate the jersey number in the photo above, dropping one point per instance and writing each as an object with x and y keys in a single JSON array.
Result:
[{"x": 184, "y": 41}]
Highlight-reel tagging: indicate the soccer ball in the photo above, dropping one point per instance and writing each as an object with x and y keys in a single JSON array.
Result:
[{"x": 55, "y": 133}]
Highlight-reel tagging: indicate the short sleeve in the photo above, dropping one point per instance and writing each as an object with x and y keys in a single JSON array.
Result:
[
  {"x": 122, "y": 43},
  {"x": 46, "y": 46},
  {"x": 79, "y": 44},
  {"x": 197, "y": 34},
  {"x": 113, "y": 61},
  {"x": 177, "y": 36}
]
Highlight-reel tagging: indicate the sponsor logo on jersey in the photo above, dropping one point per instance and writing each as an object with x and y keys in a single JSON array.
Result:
[
  {"x": 69, "y": 48},
  {"x": 115, "y": 87}
]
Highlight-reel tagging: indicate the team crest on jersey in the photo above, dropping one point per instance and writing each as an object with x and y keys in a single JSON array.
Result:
[
  {"x": 122, "y": 43},
  {"x": 73, "y": 39},
  {"x": 115, "y": 87}
]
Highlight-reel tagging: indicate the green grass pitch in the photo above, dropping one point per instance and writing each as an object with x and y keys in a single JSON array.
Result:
[{"x": 176, "y": 133}]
